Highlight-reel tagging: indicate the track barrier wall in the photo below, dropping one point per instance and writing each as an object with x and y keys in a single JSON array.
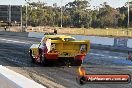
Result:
[
  {"x": 107, "y": 42},
  {"x": 11, "y": 79}
]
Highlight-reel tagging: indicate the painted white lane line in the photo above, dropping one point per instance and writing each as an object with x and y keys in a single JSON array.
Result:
[
  {"x": 14, "y": 41},
  {"x": 102, "y": 55}
]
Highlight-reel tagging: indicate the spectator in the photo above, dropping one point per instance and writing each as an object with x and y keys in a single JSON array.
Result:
[
  {"x": 55, "y": 31},
  {"x": 5, "y": 28}
]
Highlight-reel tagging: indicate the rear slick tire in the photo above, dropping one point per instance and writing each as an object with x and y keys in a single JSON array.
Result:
[
  {"x": 78, "y": 62},
  {"x": 43, "y": 60}
]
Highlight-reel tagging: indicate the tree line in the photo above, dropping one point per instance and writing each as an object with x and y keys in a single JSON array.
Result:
[{"x": 77, "y": 14}]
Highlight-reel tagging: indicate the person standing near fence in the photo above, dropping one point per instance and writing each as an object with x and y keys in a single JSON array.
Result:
[
  {"x": 55, "y": 31},
  {"x": 5, "y": 28}
]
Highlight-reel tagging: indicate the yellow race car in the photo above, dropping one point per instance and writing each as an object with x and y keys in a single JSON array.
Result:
[{"x": 59, "y": 47}]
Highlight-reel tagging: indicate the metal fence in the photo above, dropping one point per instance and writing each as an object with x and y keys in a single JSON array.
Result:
[{"x": 80, "y": 31}]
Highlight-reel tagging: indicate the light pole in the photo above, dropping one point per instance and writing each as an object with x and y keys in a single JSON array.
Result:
[
  {"x": 128, "y": 4},
  {"x": 21, "y": 18},
  {"x": 9, "y": 16},
  {"x": 128, "y": 14},
  {"x": 26, "y": 15},
  {"x": 61, "y": 14},
  {"x": 26, "y": 12},
  {"x": 128, "y": 8}
]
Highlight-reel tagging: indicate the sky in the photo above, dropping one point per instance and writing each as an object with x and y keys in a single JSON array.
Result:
[{"x": 113, "y": 3}]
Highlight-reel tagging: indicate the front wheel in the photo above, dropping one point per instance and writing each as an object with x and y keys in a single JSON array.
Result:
[{"x": 33, "y": 60}]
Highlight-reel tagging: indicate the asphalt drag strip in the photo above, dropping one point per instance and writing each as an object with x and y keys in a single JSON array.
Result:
[{"x": 14, "y": 55}]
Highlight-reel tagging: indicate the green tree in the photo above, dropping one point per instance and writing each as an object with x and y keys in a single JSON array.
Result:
[
  {"x": 79, "y": 13},
  {"x": 108, "y": 16}
]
